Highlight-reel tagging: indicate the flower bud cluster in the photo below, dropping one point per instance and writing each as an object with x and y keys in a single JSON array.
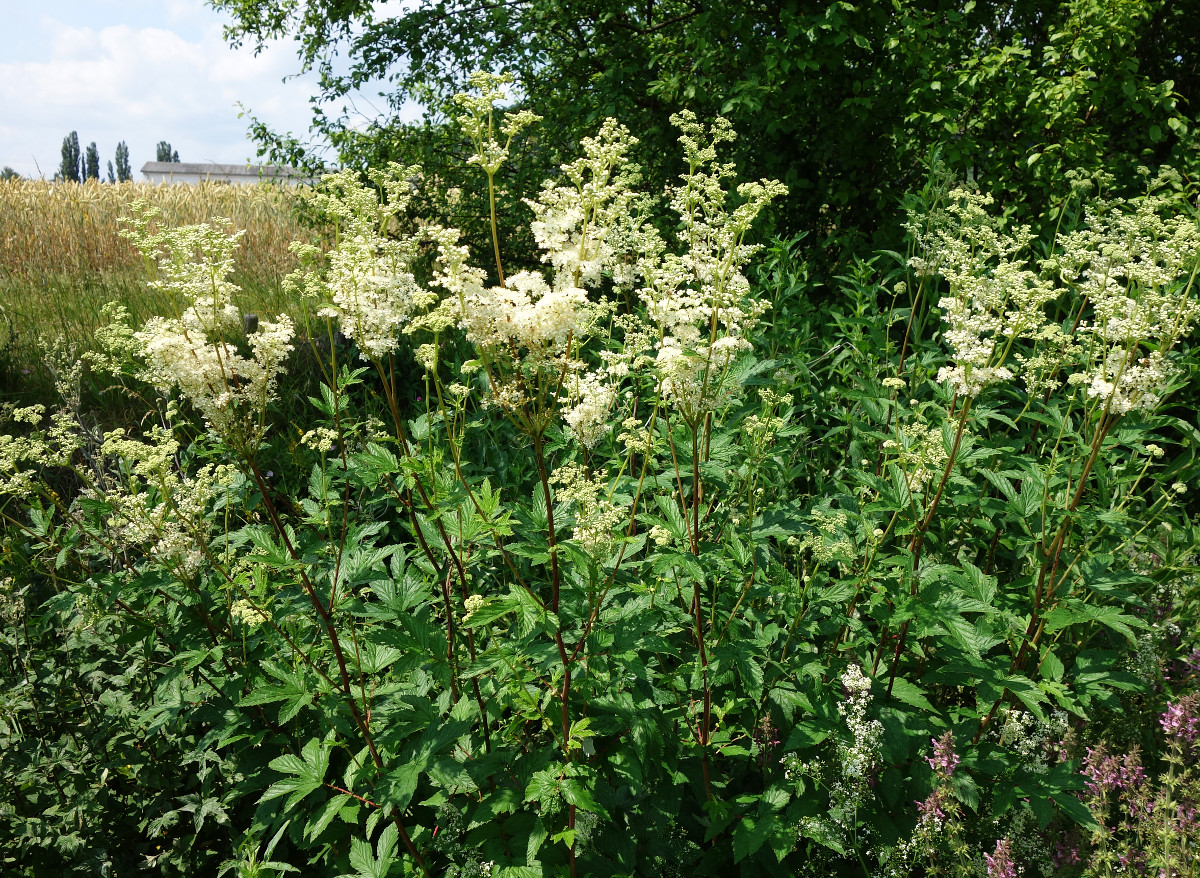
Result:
[
  {"x": 153, "y": 508},
  {"x": 22, "y": 456},
  {"x": 596, "y": 515}
]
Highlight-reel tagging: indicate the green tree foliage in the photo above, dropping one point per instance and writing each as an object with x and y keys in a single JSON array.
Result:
[
  {"x": 91, "y": 162},
  {"x": 843, "y": 102},
  {"x": 164, "y": 153},
  {"x": 70, "y": 169},
  {"x": 124, "y": 171},
  {"x": 9, "y": 173}
]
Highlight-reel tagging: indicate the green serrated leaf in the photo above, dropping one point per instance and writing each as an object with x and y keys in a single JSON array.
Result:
[
  {"x": 750, "y": 834},
  {"x": 322, "y": 819},
  {"x": 910, "y": 694}
]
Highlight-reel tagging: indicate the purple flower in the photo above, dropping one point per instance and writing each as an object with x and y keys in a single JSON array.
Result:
[
  {"x": 1065, "y": 854},
  {"x": 1180, "y": 719},
  {"x": 1000, "y": 863},
  {"x": 766, "y": 736},
  {"x": 1105, "y": 772},
  {"x": 931, "y": 808},
  {"x": 944, "y": 760},
  {"x": 1193, "y": 660}
]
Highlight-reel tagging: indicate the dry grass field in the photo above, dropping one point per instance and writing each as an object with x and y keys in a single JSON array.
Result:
[{"x": 62, "y": 257}]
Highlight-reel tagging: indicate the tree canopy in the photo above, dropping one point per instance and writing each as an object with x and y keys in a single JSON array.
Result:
[{"x": 843, "y": 102}]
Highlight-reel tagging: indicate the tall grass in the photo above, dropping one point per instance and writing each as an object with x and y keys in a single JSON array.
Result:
[
  {"x": 73, "y": 228},
  {"x": 63, "y": 258}
]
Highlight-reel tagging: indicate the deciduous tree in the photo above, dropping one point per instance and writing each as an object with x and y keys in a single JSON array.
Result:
[
  {"x": 91, "y": 162},
  {"x": 843, "y": 102}
]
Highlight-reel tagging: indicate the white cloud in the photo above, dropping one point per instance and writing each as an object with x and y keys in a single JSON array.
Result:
[
  {"x": 144, "y": 71},
  {"x": 142, "y": 85}
]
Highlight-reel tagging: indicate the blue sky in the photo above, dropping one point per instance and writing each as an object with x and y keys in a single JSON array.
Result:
[{"x": 139, "y": 71}]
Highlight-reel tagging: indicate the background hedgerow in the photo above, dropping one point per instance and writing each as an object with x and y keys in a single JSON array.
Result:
[{"x": 619, "y": 557}]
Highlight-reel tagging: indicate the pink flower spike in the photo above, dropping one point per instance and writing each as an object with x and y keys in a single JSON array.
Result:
[
  {"x": 1000, "y": 863},
  {"x": 944, "y": 760},
  {"x": 1181, "y": 719}
]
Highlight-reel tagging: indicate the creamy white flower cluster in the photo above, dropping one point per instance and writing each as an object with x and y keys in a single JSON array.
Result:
[
  {"x": 993, "y": 299},
  {"x": 195, "y": 351},
  {"x": 578, "y": 221},
  {"x": 246, "y": 613},
  {"x": 477, "y": 120},
  {"x": 920, "y": 450},
  {"x": 1035, "y": 741},
  {"x": 595, "y": 514},
  {"x": 366, "y": 281},
  {"x": 1133, "y": 265},
  {"x": 229, "y": 390},
  {"x": 534, "y": 332},
  {"x": 12, "y": 602},
  {"x": 22, "y": 456},
  {"x": 829, "y": 543},
  {"x": 532, "y": 329},
  {"x": 528, "y": 316},
  {"x": 699, "y": 301},
  {"x": 1126, "y": 386}
]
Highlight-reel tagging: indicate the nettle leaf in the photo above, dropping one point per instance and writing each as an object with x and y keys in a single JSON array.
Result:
[
  {"x": 750, "y": 834},
  {"x": 575, "y": 793},
  {"x": 265, "y": 695},
  {"x": 1073, "y": 612},
  {"x": 294, "y": 705},
  {"x": 976, "y": 639},
  {"x": 488, "y": 499},
  {"x": 1028, "y": 692},
  {"x": 910, "y": 694},
  {"x": 965, "y": 789},
  {"x": 542, "y": 787},
  {"x": 1028, "y": 503},
  {"x": 376, "y": 462},
  {"x": 672, "y": 517},
  {"x": 362, "y": 565},
  {"x": 1077, "y": 811},
  {"x": 750, "y": 673},
  {"x": 1051, "y": 667},
  {"x": 377, "y": 657},
  {"x": 400, "y": 783},
  {"x": 270, "y": 551},
  {"x": 1001, "y": 482}
]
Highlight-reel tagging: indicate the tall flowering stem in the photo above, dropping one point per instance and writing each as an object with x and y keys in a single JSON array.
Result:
[{"x": 918, "y": 540}]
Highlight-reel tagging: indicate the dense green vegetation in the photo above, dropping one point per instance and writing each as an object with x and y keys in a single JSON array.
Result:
[
  {"x": 843, "y": 102},
  {"x": 562, "y": 529}
]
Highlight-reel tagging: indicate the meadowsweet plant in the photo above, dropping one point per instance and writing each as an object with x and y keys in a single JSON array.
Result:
[
  {"x": 196, "y": 350},
  {"x": 592, "y": 564}
]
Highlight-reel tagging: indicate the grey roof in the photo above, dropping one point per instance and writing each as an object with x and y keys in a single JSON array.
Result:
[{"x": 207, "y": 169}]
